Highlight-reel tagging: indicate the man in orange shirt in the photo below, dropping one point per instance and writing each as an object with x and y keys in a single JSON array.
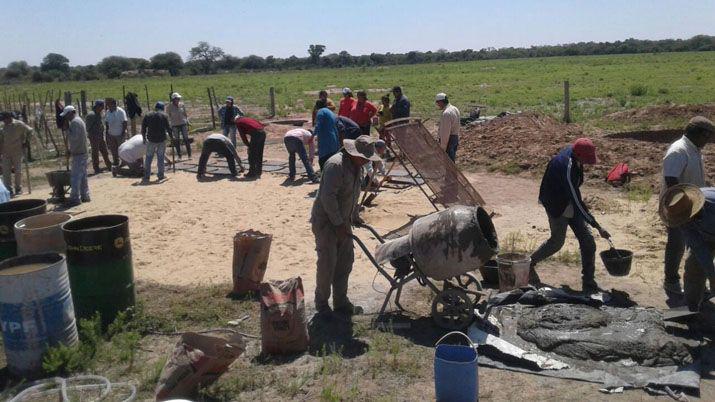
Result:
[
  {"x": 347, "y": 103},
  {"x": 362, "y": 112}
]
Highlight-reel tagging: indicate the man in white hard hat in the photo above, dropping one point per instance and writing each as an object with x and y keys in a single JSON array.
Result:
[
  {"x": 179, "y": 121},
  {"x": 448, "y": 132},
  {"x": 691, "y": 210},
  {"x": 77, "y": 144}
]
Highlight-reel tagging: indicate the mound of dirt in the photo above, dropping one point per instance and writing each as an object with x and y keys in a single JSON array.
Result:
[{"x": 663, "y": 112}]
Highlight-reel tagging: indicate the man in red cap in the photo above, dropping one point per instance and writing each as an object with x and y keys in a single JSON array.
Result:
[{"x": 561, "y": 197}]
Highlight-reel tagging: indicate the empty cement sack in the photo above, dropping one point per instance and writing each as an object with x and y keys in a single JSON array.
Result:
[
  {"x": 283, "y": 324},
  {"x": 250, "y": 260},
  {"x": 197, "y": 361}
]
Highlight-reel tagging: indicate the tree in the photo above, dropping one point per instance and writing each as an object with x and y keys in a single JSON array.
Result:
[
  {"x": 17, "y": 69},
  {"x": 55, "y": 62},
  {"x": 253, "y": 62},
  {"x": 205, "y": 55},
  {"x": 167, "y": 61},
  {"x": 113, "y": 66},
  {"x": 315, "y": 51}
]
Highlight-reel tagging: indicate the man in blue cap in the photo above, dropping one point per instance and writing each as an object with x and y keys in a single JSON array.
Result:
[
  {"x": 95, "y": 132},
  {"x": 155, "y": 128}
]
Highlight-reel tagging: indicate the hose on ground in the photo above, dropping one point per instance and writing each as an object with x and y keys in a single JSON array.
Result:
[{"x": 62, "y": 386}]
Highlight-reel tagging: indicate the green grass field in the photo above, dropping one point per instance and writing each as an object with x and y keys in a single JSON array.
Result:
[{"x": 599, "y": 84}]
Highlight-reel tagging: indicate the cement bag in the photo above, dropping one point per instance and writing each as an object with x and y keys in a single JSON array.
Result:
[
  {"x": 283, "y": 323},
  {"x": 250, "y": 260},
  {"x": 447, "y": 243},
  {"x": 197, "y": 360}
]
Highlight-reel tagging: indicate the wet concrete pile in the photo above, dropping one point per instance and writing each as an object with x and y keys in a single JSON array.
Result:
[{"x": 607, "y": 334}]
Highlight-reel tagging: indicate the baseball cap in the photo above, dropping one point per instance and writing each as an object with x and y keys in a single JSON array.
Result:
[
  {"x": 585, "y": 151},
  {"x": 229, "y": 99},
  {"x": 68, "y": 109},
  {"x": 347, "y": 90},
  {"x": 175, "y": 95},
  {"x": 159, "y": 105},
  {"x": 440, "y": 97}
]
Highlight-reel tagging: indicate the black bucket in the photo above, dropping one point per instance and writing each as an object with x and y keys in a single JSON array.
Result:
[
  {"x": 490, "y": 273},
  {"x": 10, "y": 213},
  {"x": 617, "y": 262}
]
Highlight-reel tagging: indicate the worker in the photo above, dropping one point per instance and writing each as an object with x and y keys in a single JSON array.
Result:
[
  {"x": 347, "y": 128},
  {"x": 179, "y": 120},
  {"x": 384, "y": 114},
  {"x": 227, "y": 115},
  {"x": 247, "y": 126},
  {"x": 448, "y": 132},
  {"x": 155, "y": 129},
  {"x": 347, "y": 103},
  {"x": 223, "y": 146},
  {"x": 683, "y": 164},
  {"x": 327, "y": 134},
  {"x": 15, "y": 134},
  {"x": 77, "y": 146},
  {"x": 561, "y": 197},
  {"x": 691, "y": 210},
  {"x": 95, "y": 132},
  {"x": 331, "y": 216},
  {"x": 295, "y": 142},
  {"x": 322, "y": 97},
  {"x": 131, "y": 155},
  {"x": 115, "y": 121},
  {"x": 401, "y": 107},
  {"x": 362, "y": 112}
]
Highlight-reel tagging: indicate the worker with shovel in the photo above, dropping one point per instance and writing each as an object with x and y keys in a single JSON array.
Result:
[
  {"x": 331, "y": 218},
  {"x": 14, "y": 134},
  {"x": 561, "y": 197},
  {"x": 691, "y": 210}
]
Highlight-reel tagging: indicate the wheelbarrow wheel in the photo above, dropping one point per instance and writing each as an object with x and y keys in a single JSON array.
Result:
[{"x": 452, "y": 309}]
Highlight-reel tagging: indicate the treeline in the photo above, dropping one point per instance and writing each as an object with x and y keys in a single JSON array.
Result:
[{"x": 207, "y": 59}]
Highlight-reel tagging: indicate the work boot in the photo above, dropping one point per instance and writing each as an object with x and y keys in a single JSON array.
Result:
[
  {"x": 673, "y": 288},
  {"x": 18, "y": 190},
  {"x": 85, "y": 199},
  {"x": 590, "y": 286},
  {"x": 324, "y": 312}
]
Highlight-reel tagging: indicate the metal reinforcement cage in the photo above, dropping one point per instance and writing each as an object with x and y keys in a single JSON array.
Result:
[{"x": 441, "y": 175}]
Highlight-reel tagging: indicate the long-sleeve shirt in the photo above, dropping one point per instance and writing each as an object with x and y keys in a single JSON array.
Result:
[
  {"x": 93, "y": 121},
  {"x": 155, "y": 127},
  {"x": 177, "y": 114},
  {"x": 227, "y": 116},
  {"x": 13, "y": 136},
  {"x": 560, "y": 186},
  {"x": 401, "y": 108},
  {"x": 226, "y": 142},
  {"x": 338, "y": 193},
  {"x": 700, "y": 233},
  {"x": 306, "y": 137},
  {"x": 326, "y": 132},
  {"x": 77, "y": 137},
  {"x": 448, "y": 125},
  {"x": 347, "y": 128},
  {"x": 330, "y": 105}
]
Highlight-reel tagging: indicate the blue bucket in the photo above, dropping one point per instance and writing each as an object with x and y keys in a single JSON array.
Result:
[{"x": 455, "y": 371}]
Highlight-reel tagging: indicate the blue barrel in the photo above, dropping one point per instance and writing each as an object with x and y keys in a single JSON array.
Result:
[
  {"x": 455, "y": 371},
  {"x": 36, "y": 310}
]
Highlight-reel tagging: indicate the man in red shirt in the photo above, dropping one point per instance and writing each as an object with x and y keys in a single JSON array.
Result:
[
  {"x": 362, "y": 112},
  {"x": 247, "y": 126},
  {"x": 347, "y": 103}
]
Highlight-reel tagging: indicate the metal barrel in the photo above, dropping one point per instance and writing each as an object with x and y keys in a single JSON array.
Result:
[
  {"x": 10, "y": 213},
  {"x": 36, "y": 310},
  {"x": 99, "y": 258},
  {"x": 41, "y": 234}
]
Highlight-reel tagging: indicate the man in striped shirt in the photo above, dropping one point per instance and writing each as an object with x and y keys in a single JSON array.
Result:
[{"x": 561, "y": 197}]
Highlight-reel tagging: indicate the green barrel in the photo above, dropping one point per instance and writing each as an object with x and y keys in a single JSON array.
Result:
[
  {"x": 10, "y": 213},
  {"x": 99, "y": 259}
]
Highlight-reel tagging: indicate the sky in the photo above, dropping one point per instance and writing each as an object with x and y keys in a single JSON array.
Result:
[{"x": 86, "y": 31}]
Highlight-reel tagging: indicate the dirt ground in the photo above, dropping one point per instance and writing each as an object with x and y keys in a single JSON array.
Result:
[{"x": 182, "y": 232}]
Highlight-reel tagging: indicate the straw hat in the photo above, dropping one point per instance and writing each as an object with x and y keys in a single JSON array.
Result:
[
  {"x": 679, "y": 204},
  {"x": 363, "y": 147}
]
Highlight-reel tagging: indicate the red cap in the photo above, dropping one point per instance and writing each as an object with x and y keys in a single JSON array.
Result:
[{"x": 585, "y": 151}]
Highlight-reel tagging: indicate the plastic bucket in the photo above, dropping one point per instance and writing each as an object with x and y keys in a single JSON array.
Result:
[
  {"x": 456, "y": 377},
  {"x": 490, "y": 272},
  {"x": 513, "y": 271},
  {"x": 99, "y": 258},
  {"x": 10, "y": 213},
  {"x": 36, "y": 310},
  {"x": 617, "y": 262},
  {"x": 41, "y": 234}
]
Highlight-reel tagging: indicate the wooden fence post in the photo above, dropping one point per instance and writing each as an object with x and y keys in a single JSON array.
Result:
[
  {"x": 272, "y": 94},
  {"x": 83, "y": 102},
  {"x": 567, "y": 103},
  {"x": 68, "y": 98},
  {"x": 146, "y": 91},
  {"x": 211, "y": 104}
]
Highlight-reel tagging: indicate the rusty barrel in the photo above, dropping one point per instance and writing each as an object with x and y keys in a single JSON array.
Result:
[
  {"x": 10, "y": 213},
  {"x": 99, "y": 258},
  {"x": 36, "y": 310}
]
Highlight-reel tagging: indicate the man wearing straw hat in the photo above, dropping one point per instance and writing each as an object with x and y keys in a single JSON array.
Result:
[
  {"x": 691, "y": 210},
  {"x": 331, "y": 218}
]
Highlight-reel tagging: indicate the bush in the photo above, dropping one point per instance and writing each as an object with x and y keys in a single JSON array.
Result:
[{"x": 638, "y": 90}]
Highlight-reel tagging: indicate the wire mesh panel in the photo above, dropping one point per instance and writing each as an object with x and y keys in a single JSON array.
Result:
[{"x": 441, "y": 175}]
